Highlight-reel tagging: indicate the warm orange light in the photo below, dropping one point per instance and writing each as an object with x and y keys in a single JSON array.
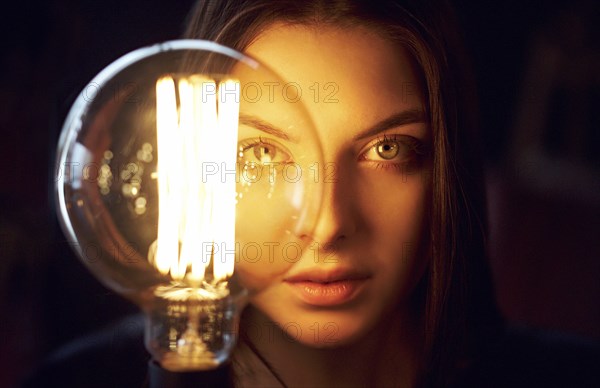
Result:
[{"x": 197, "y": 144}]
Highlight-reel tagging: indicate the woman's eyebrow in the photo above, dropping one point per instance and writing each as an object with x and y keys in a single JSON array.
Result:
[
  {"x": 410, "y": 116},
  {"x": 264, "y": 126}
]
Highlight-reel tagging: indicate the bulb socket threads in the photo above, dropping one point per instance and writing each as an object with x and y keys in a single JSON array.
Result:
[{"x": 160, "y": 377}]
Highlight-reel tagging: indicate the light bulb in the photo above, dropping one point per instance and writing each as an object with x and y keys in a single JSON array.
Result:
[{"x": 184, "y": 170}]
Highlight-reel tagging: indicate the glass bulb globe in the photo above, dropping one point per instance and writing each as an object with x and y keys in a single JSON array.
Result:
[{"x": 187, "y": 174}]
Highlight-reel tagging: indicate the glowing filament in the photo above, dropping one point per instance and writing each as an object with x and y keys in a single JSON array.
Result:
[{"x": 196, "y": 177}]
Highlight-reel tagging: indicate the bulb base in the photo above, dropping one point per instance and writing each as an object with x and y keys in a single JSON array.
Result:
[
  {"x": 160, "y": 377},
  {"x": 191, "y": 329}
]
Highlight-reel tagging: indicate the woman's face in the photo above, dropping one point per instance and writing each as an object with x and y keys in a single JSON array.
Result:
[{"x": 367, "y": 250}]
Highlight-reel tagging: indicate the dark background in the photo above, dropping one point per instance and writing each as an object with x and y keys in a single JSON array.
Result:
[{"x": 537, "y": 67}]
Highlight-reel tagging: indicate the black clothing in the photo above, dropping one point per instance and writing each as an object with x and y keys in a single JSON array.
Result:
[{"x": 116, "y": 358}]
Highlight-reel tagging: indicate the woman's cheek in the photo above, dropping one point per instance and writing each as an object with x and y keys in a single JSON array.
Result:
[
  {"x": 398, "y": 224},
  {"x": 259, "y": 265},
  {"x": 265, "y": 248}
]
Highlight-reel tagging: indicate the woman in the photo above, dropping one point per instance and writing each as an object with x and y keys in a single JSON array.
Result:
[
  {"x": 404, "y": 299},
  {"x": 408, "y": 300}
]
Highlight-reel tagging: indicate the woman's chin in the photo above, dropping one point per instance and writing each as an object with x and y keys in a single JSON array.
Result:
[
  {"x": 316, "y": 327},
  {"x": 328, "y": 333},
  {"x": 342, "y": 341}
]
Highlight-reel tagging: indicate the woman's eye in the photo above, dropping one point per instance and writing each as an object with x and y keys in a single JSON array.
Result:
[
  {"x": 259, "y": 151},
  {"x": 393, "y": 151},
  {"x": 264, "y": 153},
  {"x": 387, "y": 149}
]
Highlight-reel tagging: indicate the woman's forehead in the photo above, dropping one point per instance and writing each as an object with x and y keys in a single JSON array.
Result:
[
  {"x": 345, "y": 75},
  {"x": 354, "y": 55}
]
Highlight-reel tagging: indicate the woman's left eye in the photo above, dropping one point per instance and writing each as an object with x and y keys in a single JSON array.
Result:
[
  {"x": 394, "y": 149},
  {"x": 387, "y": 149}
]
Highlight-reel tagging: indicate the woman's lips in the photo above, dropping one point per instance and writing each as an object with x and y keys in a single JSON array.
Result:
[{"x": 327, "y": 288}]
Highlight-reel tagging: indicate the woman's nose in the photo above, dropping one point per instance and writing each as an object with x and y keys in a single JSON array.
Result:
[{"x": 338, "y": 218}]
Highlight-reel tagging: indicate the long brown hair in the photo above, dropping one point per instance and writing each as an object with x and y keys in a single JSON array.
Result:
[{"x": 459, "y": 307}]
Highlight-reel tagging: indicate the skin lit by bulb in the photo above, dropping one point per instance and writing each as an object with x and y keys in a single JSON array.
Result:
[{"x": 371, "y": 229}]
